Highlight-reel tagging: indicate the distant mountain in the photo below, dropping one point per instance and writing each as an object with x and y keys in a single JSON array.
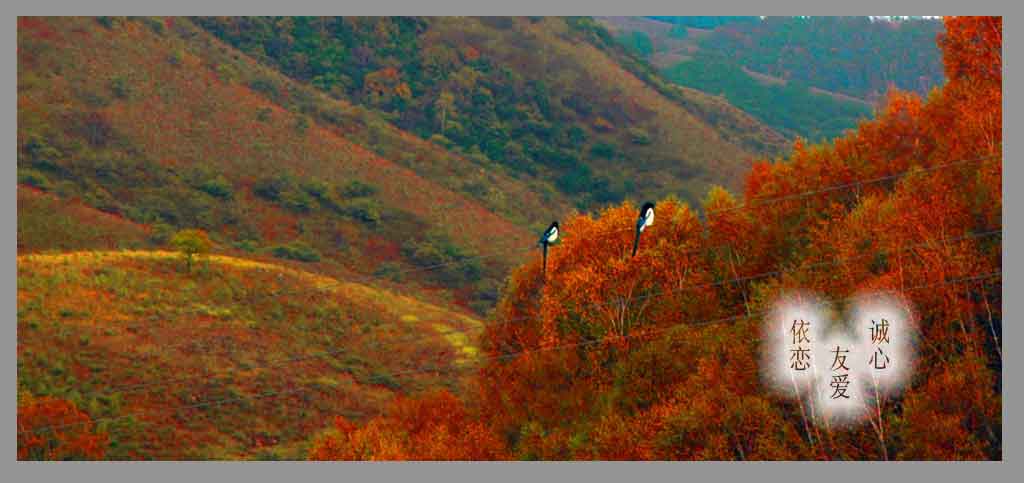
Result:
[
  {"x": 812, "y": 77},
  {"x": 858, "y": 56},
  {"x": 548, "y": 99},
  {"x": 370, "y": 146}
]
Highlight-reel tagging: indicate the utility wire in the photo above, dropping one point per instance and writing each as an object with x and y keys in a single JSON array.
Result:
[
  {"x": 280, "y": 393},
  {"x": 135, "y": 388},
  {"x": 129, "y": 389},
  {"x": 753, "y": 203}
]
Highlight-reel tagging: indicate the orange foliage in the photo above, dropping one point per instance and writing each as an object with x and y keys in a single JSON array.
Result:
[
  {"x": 599, "y": 360},
  {"x": 433, "y": 427},
  {"x": 54, "y": 429}
]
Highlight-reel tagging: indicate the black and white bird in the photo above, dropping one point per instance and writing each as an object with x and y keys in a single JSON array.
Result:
[
  {"x": 549, "y": 237},
  {"x": 645, "y": 220}
]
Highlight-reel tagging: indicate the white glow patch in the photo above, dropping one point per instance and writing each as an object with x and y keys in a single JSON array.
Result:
[
  {"x": 794, "y": 327},
  {"x": 841, "y": 373},
  {"x": 886, "y": 331},
  {"x": 840, "y": 391}
]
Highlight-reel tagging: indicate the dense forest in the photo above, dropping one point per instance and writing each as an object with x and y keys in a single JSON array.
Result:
[
  {"x": 315, "y": 238},
  {"x": 474, "y": 86},
  {"x": 792, "y": 108},
  {"x": 593, "y": 362},
  {"x": 707, "y": 22},
  {"x": 856, "y": 56},
  {"x": 812, "y": 77}
]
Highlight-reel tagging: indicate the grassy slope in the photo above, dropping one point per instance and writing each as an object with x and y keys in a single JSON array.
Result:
[
  {"x": 673, "y": 56},
  {"x": 197, "y": 111},
  {"x": 90, "y": 322},
  {"x": 47, "y": 222},
  {"x": 686, "y": 152},
  {"x": 94, "y": 326}
]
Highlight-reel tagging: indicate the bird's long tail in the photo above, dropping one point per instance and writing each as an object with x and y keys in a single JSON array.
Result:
[
  {"x": 544, "y": 271},
  {"x": 636, "y": 242}
]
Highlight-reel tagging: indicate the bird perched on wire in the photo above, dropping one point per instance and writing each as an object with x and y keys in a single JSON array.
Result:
[
  {"x": 549, "y": 237},
  {"x": 645, "y": 220}
]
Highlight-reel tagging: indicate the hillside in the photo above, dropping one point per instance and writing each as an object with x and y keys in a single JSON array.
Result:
[
  {"x": 373, "y": 186},
  {"x": 129, "y": 336},
  {"x": 552, "y": 100},
  {"x": 155, "y": 121},
  {"x": 49, "y": 223},
  {"x": 666, "y": 354},
  {"x": 694, "y": 57},
  {"x": 856, "y": 56},
  {"x": 793, "y": 109}
]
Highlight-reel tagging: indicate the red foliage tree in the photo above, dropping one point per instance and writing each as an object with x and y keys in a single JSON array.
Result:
[
  {"x": 55, "y": 429},
  {"x": 433, "y": 427}
]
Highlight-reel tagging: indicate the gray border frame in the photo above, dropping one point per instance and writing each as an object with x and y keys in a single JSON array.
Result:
[{"x": 277, "y": 471}]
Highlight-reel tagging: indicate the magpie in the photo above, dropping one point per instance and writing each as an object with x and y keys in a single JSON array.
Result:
[
  {"x": 645, "y": 220},
  {"x": 550, "y": 236}
]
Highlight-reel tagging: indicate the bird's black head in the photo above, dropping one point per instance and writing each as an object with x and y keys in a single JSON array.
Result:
[
  {"x": 645, "y": 207},
  {"x": 554, "y": 224}
]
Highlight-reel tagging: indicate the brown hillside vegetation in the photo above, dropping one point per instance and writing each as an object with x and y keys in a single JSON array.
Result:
[
  {"x": 685, "y": 153},
  {"x": 657, "y": 356},
  {"x": 147, "y": 118},
  {"x": 239, "y": 359},
  {"x": 47, "y": 222}
]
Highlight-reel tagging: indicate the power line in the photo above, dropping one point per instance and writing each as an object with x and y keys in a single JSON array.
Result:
[
  {"x": 306, "y": 357},
  {"x": 755, "y": 202},
  {"x": 651, "y": 295},
  {"x": 270, "y": 394},
  {"x": 855, "y": 184}
]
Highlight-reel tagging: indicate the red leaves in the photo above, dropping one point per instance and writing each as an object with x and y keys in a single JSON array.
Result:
[
  {"x": 892, "y": 205},
  {"x": 971, "y": 48},
  {"x": 54, "y": 429},
  {"x": 433, "y": 427}
]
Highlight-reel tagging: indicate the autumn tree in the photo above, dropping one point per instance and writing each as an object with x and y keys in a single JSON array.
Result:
[
  {"x": 582, "y": 369},
  {"x": 55, "y": 429},
  {"x": 191, "y": 244},
  {"x": 656, "y": 356},
  {"x": 434, "y": 426}
]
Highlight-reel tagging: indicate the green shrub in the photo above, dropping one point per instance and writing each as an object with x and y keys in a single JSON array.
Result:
[
  {"x": 248, "y": 246},
  {"x": 441, "y": 140},
  {"x": 102, "y": 200},
  {"x": 154, "y": 24},
  {"x": 176, "y": 57},
  {"x": 161, "y": 233},
  {"x": 218, "y": 187},
  {"x": 383, "y": 378},
  {"x": 108, "y": 22},
  {"x": 297, "y": 200},
  {"x": 391, "y": 271},
  {"x": 603, "y": 150},
  {"x": 41, "y": 154},
  {"x": 302, "y": 124},
  {"x": 316, "y": 188},
  {"x": 271, "y": 188},
  {"x": 296, "y": 250},
  {"x": 191, "y": 243},
  {"x": 357, "y": 189},
  {"x": 455, "y": 265},
  {"x": 366, "y": 210},
  {"x": 639, "y": 136},
  {"x": 120, "y": 87},
  {"x": 263, "y": 114},
  {"x": 266, "y": 86},
  {"x": 33, "y": 178}
]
